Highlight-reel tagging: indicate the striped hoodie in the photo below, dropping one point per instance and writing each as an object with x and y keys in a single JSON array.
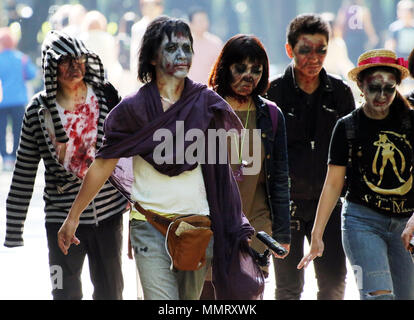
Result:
[{"x": 61, "y": 186}]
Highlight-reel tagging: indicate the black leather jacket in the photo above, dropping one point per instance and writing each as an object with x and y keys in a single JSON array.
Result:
[
  {"x": 276, "y": 169},
  {"x": 309, "y": 130}
]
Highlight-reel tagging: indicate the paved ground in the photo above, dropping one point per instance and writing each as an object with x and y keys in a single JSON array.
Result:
[{"x": 24, "y": 271}]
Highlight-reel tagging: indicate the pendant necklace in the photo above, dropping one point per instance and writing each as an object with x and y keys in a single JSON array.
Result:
[{"x": 238, "y": 173}]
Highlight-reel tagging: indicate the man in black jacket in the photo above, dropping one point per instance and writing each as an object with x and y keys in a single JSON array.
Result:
[{"x": 312, "y": 101}]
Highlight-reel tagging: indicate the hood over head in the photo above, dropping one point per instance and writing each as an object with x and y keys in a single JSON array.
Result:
[{"x": 57, "y": 45}]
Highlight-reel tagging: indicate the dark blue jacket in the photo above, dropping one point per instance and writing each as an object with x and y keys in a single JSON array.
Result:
[{"x": 276, "y": 169}]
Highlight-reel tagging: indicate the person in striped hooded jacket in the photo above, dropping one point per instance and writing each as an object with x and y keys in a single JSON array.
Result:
[{"x": 63, "y": 126}]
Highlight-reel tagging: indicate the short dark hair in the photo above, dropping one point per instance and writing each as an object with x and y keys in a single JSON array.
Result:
[
  {"x": 366, "y": 72},
  {"x": 236, "y": 50},
  {"x": 151, "y": 42},
  {"x": 307, "y": 23},
  {"x": 411, "y": 63}
]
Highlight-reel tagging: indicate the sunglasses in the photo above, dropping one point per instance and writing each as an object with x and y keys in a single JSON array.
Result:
[{"x": 69, "y": 60}]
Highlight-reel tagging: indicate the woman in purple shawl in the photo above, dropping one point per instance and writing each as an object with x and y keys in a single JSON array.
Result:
[{"x": 158, "y": 175}]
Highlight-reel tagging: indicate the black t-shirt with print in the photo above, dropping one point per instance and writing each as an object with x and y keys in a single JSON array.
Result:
[{"x": 381, "y": 174}]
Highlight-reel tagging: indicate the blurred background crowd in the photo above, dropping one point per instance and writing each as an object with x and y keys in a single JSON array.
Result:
[
  {"x": 106, "y": 26},
  {"x": 113, "y": 29}
]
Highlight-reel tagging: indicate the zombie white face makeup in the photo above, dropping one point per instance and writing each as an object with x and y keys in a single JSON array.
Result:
[
  {"x": 175, "y": 56},
  {"x": 245, "y": 77},
  {"x": 379, "y": 89}
]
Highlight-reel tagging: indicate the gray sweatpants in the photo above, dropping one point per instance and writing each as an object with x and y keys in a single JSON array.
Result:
[{"x": 153, "y": 263}]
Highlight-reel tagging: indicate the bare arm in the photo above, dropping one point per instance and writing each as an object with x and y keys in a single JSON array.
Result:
[
  {"x": 98, "y": 173},
  {"x": 331, "y": 192}
]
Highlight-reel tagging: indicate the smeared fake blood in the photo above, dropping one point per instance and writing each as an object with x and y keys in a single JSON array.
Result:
[{"x": 81, "y": 127}]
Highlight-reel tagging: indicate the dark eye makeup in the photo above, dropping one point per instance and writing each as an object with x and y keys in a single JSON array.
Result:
[
  {"x": 171, "y": 47},
  {"x": 187, "y": 48},
  {"x": 242, "y": 68},
  {"x": 308, "y": 50},
  {"x": 66, "y": 60},
  {"x": 378, "y": 89},
  {"x": 304, "y": 50},
  {"x": 257, "y": 70}
]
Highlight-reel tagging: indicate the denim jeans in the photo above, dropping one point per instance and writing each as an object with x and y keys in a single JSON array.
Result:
[
  {"x": 374, "y": 248},
  {"x": 16, "y": 114},
  {"x": 153, "y": 263}
]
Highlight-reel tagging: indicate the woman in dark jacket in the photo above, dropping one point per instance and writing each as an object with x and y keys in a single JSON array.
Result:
[{"x": 240, "y": 76}]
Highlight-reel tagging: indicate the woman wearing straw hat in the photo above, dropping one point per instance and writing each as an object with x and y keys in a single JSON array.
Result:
[{"x": 372, "y": 148}]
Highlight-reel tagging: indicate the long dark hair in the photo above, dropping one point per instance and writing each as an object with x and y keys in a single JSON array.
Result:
[
  {"x": 237, "y": 49},
  {"x": 151, "y": 42}
]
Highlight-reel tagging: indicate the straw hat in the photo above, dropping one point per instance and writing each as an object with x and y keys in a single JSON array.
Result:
[{"x": 379, "y": 57}]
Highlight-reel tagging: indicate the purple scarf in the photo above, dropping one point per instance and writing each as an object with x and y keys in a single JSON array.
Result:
[{"x": 129, "y": 130}]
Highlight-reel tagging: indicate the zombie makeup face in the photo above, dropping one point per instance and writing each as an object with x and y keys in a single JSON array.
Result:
[
  {"x": 174, "y": 56},
  {"x": 71, "y": 70},
  {"x": 379, "y": 89},
  {"x": 245, "y": 77},
  {"x": 309, "y": 54}
]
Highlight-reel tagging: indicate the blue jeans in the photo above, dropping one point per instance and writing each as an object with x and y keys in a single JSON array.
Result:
[
  {"x": 374, "y": 248},
  {"x": 153, "y": 263},
  {"x": 16, "y": 114}
]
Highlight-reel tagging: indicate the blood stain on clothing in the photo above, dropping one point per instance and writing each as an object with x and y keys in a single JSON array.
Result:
[{"x": 81, "y": 128}]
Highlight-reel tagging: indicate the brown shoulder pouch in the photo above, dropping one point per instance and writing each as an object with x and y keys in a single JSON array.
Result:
[{"x": 186, "y": 237}]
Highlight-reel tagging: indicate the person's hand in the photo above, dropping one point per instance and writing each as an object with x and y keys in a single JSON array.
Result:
[
  {"x": 316, "y": 250},
  {"x": 66, "y": 235},
  {"x": 287, "y": 247},
  {"x": 407, "y": 234}
]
